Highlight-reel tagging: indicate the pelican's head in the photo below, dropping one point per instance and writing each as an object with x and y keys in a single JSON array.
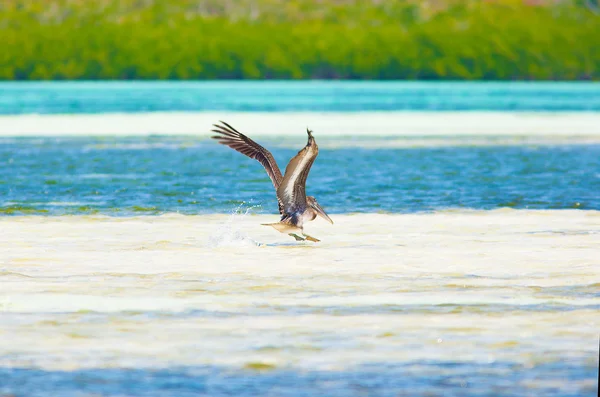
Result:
[
  {"x": 312, "y": 202},
  {"x": 311, "y": 138}
]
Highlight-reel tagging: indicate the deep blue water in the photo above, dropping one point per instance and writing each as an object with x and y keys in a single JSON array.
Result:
[
  {"x": 124, "y": 176},
  {"x": 428, "y": 378},
  {"x": 273, "y": 96}
]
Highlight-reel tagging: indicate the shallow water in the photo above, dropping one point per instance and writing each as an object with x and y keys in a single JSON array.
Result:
[
  {"x": 463, "y": 259},
  {"x": 498, "y": 302},
  {"x": 124, "y": 176}
]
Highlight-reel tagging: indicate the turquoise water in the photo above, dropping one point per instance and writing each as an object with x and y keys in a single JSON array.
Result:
[
  {"x": 274, "y": 96},
  {"x": 126, "y": 176}
]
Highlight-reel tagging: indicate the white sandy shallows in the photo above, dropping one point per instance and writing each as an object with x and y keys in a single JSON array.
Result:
[
  {"x": 475, "y": 286},
  {"x": 579, "y": 126}
]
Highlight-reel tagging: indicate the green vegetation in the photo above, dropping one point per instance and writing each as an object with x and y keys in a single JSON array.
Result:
[{"x": 298, "y": 39}]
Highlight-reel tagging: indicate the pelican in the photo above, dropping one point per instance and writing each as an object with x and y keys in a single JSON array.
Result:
[{"x": 295, "y": 206}]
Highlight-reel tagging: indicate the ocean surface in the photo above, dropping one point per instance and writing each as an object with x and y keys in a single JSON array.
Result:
[
  {"x": 463, "y": 259},
  {"x": 152, "y": 175}
]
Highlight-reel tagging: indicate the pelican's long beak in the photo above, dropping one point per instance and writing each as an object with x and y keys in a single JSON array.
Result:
[{"x": 321, "y": 212}]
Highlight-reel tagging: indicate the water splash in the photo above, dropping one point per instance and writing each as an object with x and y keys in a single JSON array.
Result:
[{"x": 229, "y": 233}]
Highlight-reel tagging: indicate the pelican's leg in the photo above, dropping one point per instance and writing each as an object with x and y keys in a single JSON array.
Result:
[
  {"x": 310, "y": 238},
  {"x": 298, "y": 238}
]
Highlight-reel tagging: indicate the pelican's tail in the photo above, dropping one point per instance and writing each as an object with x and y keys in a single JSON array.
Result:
[{"x": 284, "y": 227}]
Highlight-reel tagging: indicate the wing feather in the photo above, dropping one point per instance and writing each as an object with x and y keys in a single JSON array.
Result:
[
  {"x": 229, "y": 136},
  {"x": 292, "y": 190}
]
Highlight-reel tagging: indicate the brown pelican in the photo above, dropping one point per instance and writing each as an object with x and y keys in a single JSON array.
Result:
[{"x": 295, "y": 206}]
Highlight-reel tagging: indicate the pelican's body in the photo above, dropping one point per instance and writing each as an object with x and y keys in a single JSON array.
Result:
[{"x": 295, "y": 206}]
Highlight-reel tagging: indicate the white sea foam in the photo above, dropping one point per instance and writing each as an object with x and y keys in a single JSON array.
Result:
[
  {"x": 229, "y": 233},
  {"x": 581, "y": 125}
]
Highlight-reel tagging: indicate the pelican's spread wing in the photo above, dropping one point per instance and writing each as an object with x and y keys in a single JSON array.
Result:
[
  {"x": 229, "y": 136},
  {"x": 292, "y": 190}
]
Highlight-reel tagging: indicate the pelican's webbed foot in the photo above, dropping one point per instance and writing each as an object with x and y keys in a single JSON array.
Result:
[
  {"x": 310, "y": 238},
  {"x": 298, "y": 238}
]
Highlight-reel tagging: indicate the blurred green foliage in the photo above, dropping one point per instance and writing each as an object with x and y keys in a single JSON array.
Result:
[{"x": 298, "y": 39}]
